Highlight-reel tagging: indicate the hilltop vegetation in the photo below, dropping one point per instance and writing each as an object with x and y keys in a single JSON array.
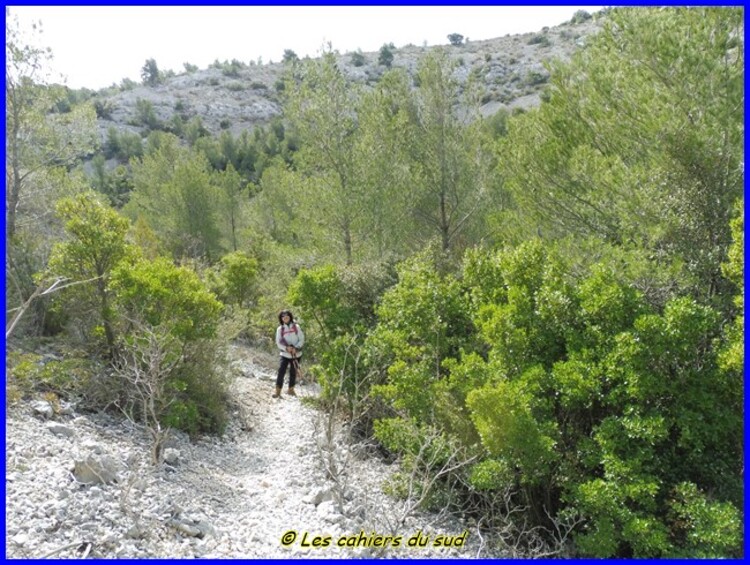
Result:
[{"x": 538, "y": 311}]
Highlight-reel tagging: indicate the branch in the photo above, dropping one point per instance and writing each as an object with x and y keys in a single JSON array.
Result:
[{"x": 39, "y": 292}]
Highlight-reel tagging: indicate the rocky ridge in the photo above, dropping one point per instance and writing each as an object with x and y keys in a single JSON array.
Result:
[
  {"x": 238, "y": 97},
  {"x": 82, "y": 485}
]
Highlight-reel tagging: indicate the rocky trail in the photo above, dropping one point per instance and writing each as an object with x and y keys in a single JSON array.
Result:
[{"x": 82, "y": 485}]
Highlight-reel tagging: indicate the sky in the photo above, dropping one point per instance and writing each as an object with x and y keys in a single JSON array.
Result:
[{"x": 97, "y": 46}]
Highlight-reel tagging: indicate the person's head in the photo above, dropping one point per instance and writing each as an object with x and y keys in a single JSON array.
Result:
[{"x": 285, "y": 317}]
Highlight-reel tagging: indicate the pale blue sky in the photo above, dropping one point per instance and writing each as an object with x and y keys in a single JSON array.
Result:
[{"x": 96, "y": 46}]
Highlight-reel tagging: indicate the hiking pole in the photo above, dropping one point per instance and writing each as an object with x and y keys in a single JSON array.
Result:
[{"x": 300, "y": 376}]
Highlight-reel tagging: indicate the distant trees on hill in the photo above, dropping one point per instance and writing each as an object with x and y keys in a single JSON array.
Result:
[{"x": 150, "y": 73}]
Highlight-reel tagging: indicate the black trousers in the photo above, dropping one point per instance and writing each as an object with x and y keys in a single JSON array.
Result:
[{"x": 282, "y": 371}]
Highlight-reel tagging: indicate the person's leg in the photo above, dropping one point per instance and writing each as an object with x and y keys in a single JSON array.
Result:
[
  {"x": 292, "y": 373},
  {"x": 282, "y": 371},
  {"x": 280, "y": 375}
]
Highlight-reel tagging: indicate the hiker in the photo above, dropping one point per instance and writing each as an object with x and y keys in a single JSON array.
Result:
[{"x": 289, "y": 340}]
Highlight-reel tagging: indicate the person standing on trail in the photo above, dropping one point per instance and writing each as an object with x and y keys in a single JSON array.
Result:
[{"x": 289, "y": 340}]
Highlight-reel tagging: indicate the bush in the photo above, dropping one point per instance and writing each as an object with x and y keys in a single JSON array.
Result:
[
  {"x": 172, "y": 302},
  {"x": 585, "y": 398},
  {"x": 385, "y": 55},
  {"x": 145, "y": 114},
  {"x": 150, "y": 73},
  {"x": 232, "y": 69},
  {"x": 539, "y": 39},
  {"x": 358, "y": 59},
  {"x": 122, "y": 145},
  {"x": 127, "y": 84},
  {"x": 319, "y": 295},
  {"x": 534, "y": 78},
  {"x": 456, "y": 39},
  {"x": 585, "y": 370},
  {"x": 64, "y": 378},
  {"x": 342, "y": 302},
  {"x": 103, "y": 109},
  {"x": 235, "y": 278},
  {"x": 580, "y": 16},
  {"x": 96, "y": 246},
  {"x": 161, "y": 294},
  {"x": 422, "y": 321}
]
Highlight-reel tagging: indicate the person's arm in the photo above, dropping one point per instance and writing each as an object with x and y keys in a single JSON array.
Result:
[
  {"x": 280, "y": 342},
  {"x": 300, "y": 338}
]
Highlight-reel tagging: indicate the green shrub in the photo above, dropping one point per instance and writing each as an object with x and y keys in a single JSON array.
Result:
[
  {"x": 707, "y": 528},
  {"x": 289, "y": 56},
  {"x": 319, "y": 294},
  {"x": 96, "y": 246},
  {"x": 385, "y": 55},
  {"x": 160, "y": 293},
  {"x": 158, "y": 297},
  {"x": 534, "y": 78},
  {"x": 455, "y": 39},
  {"x": 593, "y": 391},
  {"x": 585, "y": 399},
  {"x": 580, "y": 16},
  {"x": 358, "y": 59},
  {"x": 127, "y": 84},
  {"x": 491, "y": 474},
  {"x": 103, "y": 109},
  {"x": 145, "y": 114},
  {"x": 150, "y": 73},
  {"x": 65, "y": 378},
  {"x": 422, "y": 321},
  {"x": 232, "y": 69},
  {"x": 235, "y": 278},
  {"x": 539, "y": 39},
  {"x": 341, "y": 302}
]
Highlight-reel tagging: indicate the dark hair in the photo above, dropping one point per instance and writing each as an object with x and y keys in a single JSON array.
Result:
[{"x": 288, "y": 313}]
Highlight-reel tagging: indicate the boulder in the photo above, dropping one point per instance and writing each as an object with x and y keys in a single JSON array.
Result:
[
  {"x": 61, "y": 429},
  {"x": 96, "y": 469}
]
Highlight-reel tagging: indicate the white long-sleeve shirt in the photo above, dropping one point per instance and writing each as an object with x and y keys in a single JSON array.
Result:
[{"x": 290, "y": 334}]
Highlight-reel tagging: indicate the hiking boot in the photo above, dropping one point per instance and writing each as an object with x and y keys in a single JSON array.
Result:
[
  {"x": 291, "y": 392},
  {"x": 277, "y": 393}
]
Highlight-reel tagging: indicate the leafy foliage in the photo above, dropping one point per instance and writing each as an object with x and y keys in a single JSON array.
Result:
[
  {"x": 357, "y": 58},
  {"x": 235, "y": 278},
  {"x": 176, "y": 194},
  {"x": 587, "y": 162},
  {"x": 322, "y": 110},
  {"x": 161, "y": 294},
  {"x": 61, "y": 378},
  {"x": 455, "y": 39},
  {"x": 164, "y": 297},
  {"x": 96, "y": 247},
  {"x": 150, "y": 74},
  {"x": 385, "y": 55},
  {"x": 289, "y": 56},
  {"x": 423, "y": 320},
  {"x": 450, "y": 156}
]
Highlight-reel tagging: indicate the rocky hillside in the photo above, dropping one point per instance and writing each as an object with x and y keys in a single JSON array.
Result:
[{"x": 237, "y": 96}]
